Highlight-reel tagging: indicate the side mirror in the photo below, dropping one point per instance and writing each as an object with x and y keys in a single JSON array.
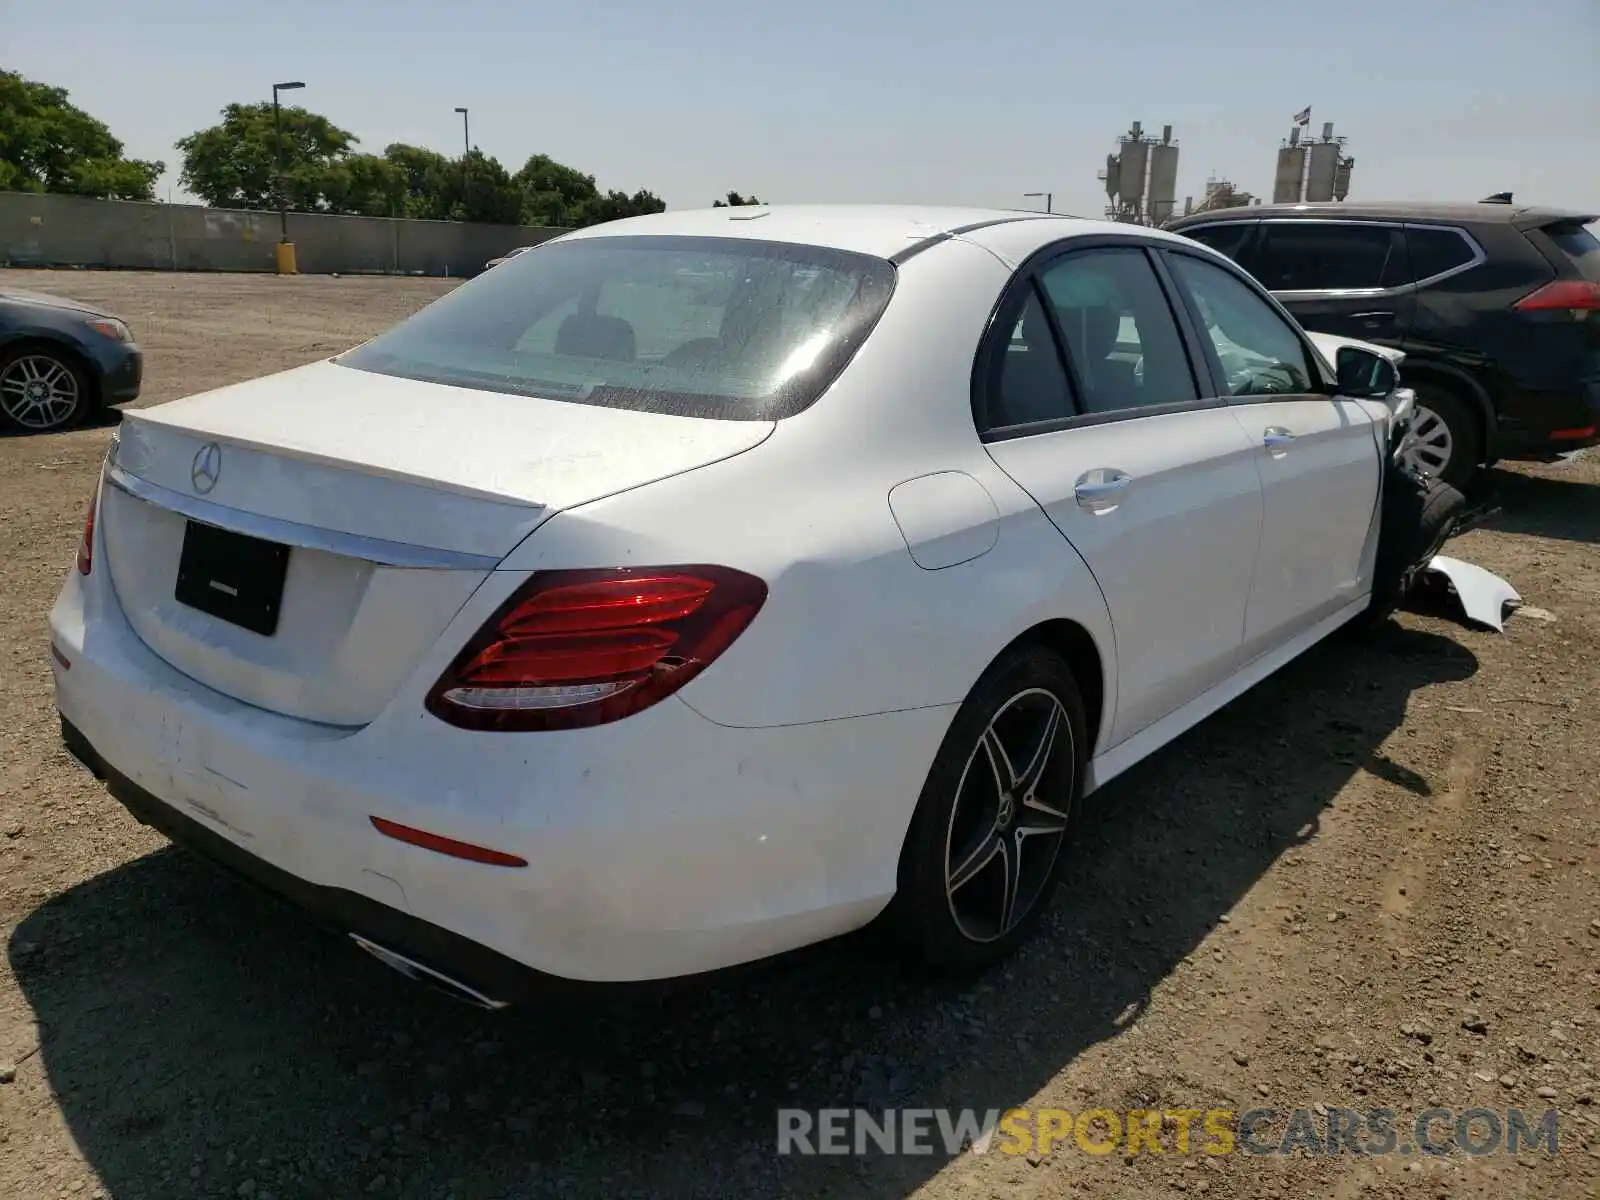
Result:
[{"x": 1364, "y": 375}]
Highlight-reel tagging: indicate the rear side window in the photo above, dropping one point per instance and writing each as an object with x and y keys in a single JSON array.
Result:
[
  {"x": 704, "y": 327},
  {"x": 1578, "y": 243},
  {"x": 1119, "y": 329},
  {"x": 1435, "y": 251},
  {"x": 1030, "y": 384},
  {"x": 1312, "y": 256}
]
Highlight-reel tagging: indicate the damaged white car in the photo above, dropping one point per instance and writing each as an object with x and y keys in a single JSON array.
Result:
[{"x": 694, "y": 587}]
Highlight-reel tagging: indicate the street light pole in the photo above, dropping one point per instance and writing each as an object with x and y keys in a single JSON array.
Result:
[
  {"x": 1047, "y": 197},
  {"x": 466, "y": 159},
  {"x": 277, "y": 137}
]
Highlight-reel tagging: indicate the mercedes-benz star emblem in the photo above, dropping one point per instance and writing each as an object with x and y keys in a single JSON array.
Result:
[{"x": 207, "y": 468}]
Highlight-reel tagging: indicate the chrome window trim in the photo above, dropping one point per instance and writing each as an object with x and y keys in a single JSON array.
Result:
[
  {"x": 1479, "y": 257},
  {"x": 291, "y": 533}
]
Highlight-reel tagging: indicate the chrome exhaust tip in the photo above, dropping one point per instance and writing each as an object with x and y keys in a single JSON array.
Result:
[{"x": 427, "y": 976}]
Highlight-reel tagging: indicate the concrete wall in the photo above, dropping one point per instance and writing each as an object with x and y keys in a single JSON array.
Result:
[{"x": 56, "y": 231}]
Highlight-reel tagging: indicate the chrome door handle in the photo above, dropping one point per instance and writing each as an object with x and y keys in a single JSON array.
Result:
[
  {"x": 1101, "y": 488},
  {"x": 1276, "y": 437}
]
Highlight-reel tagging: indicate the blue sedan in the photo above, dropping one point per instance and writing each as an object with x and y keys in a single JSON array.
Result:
[{"x": 61, "y": 362}]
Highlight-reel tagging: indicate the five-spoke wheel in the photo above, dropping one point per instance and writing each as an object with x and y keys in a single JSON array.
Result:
[
  {"x": 985, "y": 848},
  {"x": 1004, "y": 833}
]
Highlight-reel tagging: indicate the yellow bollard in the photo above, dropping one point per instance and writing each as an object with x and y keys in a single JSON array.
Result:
[{"x": 285, "y": 257}]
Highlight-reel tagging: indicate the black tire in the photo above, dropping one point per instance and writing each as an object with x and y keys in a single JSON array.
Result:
[
  {"x": 1419, "y": 514},
  {"x": 966, "y": 928},
  {"x": 20, "y": 367},
  {"x": 1465, "y": 427}
]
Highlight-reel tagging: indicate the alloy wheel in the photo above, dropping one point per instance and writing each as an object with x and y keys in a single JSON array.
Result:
[
  {"x": 1430, "y": 444},
  {"x": 1005, "y": 831},
  {"x": 38, "y": 392}
]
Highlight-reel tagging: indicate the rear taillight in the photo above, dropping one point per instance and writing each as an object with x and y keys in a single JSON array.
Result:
[
  {"x": 1576, "y": 296},
  {"x": 577, "y": 648},
  {"x": 86, "y": 546}
]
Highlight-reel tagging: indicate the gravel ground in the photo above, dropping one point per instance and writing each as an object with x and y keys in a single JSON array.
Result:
[{"x": 1369, "y": 882}]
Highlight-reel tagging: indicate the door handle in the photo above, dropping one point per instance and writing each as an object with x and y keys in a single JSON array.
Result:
[
  {"x": 1373, "y": 319},
  {"x": 1101, "y": 489},
  {"x": 1276, "y": 437}
]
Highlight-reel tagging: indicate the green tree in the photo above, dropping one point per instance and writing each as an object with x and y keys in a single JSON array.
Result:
[
  {"x": 486, "y": 191},
  {"x": 734, "y": 200},
  {"x": 427, "y": 174},
  {"x": 557, "y": 195},
  {"x": 233, "y": 164},
  {"x": 366, "y": 185},
  {"x": 615, "y": 205},
  {"x": 478, "y": 188},
  {"x": 49, "y": 145}
]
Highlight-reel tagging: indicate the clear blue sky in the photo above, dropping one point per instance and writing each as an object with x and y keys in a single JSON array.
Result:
[{"x": 934, "y": 101}]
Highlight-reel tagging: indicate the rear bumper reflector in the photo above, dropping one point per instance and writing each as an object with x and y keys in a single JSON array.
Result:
[
  {"x": 440, "y": 844},
  {"x": 1572, "y": 435}
]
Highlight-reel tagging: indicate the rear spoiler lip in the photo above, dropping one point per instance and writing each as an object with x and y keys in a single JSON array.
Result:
[{"x": 1539, "y": 218}]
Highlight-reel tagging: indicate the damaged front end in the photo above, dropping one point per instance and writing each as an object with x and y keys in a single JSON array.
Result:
[{"x": 1420, "y": 513}]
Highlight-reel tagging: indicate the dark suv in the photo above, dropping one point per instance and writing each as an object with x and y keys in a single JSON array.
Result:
[{"x": 1496, "y": 305}]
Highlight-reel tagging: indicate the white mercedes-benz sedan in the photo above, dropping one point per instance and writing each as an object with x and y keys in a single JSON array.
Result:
[{"x": 698, "y": 586}]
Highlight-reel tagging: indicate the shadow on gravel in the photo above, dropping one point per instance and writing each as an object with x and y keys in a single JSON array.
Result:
[
  {"x": 1545, "y": 506},
  {"x": 199, "y": 1038}
]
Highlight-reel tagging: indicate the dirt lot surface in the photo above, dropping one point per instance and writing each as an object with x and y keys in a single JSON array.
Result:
[{"x": 1370, "y": 882}]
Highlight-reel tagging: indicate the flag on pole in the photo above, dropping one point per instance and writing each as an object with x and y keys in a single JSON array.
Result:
[{"x": 1303, "y": 117}]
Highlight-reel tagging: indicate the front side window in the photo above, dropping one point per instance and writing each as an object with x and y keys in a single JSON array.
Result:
[
  {"x": 1314, "y": 256},
  {"x": 705, "y": 327},
  {"x": 1259, "y": 352},
  {"x": 1120, "y": 333}
]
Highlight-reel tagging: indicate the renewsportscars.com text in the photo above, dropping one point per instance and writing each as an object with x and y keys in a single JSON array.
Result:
[{"x": 1318, "y": 1131}]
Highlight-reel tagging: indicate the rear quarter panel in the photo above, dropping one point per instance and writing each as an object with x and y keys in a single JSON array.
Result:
[{"x": 852, "y": 625}]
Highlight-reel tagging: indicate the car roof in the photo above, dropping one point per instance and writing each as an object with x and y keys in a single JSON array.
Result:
[
  {"x": 882, "y": 230},
  {"x": 1480, "y": 213}
]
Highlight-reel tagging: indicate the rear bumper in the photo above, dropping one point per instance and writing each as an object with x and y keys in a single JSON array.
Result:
[
  {"x": 1539, "y": 426},
  {"x": 660, "y": 847},
  {"x": 444, "y": 953}
]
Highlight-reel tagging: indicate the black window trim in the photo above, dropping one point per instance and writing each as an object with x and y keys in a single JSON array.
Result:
[
  {"x": 1325, "y": 388},
  {"x": 1026, "y": 279},
  {"x": 1252, "y": 228}
]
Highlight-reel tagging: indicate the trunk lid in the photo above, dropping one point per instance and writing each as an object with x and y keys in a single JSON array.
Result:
[{"x": 395, "y": 499}]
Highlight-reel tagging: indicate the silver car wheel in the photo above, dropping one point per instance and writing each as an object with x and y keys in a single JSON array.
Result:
[
  {"x": 1005, "y": 831},
  {"x": 39, "y": 392},
  {"x": 1430, "y": 445}
]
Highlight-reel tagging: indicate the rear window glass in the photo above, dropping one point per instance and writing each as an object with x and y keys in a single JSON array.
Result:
[
  {"x": 1578, "y": 243},
  {"x": 704, "y": 327}
]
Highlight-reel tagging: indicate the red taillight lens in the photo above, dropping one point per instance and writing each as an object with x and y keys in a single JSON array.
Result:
[
  {"x": 1570, "y": 295},
  {"x": 579, "y": 648},
  {"x": 86, "y": 546}
]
